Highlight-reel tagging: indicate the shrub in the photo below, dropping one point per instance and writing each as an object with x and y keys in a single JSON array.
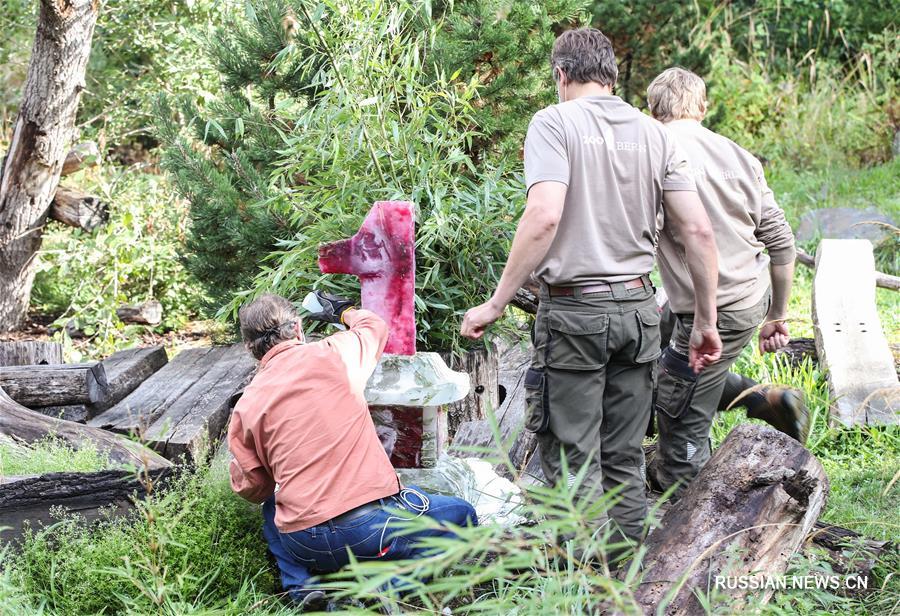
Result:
[
  {"x": 132, "y": 258},
  {"x": 192, "y": 546}
]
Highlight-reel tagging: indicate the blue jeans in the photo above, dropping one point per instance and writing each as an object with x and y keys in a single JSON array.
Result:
[{"x": 325, "y": 548}]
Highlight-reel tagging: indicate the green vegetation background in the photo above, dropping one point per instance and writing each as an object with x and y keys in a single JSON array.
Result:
[{"x": 239, "y": 135}]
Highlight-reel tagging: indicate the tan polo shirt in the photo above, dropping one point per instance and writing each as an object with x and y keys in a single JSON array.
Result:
[
  {"x": 616, "y": 162},
  {"x": 745, "y": 218},
  {"x": 304, "y": 424}
]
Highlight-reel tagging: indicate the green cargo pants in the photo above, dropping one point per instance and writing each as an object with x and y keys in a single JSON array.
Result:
[
  {"x": 590, "y": 390},
  {"x": 685, "y": 410}
]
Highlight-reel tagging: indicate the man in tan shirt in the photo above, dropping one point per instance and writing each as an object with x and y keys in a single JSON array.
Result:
[
  {"x": 754, "y": 242},
  {"x": 598, "y": 172},
  {"x": 305, "y": 445}
]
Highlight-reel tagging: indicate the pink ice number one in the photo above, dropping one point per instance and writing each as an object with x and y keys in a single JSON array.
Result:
[{"x": 382, "y": 255}]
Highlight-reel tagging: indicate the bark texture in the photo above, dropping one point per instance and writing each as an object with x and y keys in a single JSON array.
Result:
[
  {"x": 41, "y": 135},
  {"x": 30, "y": 352},
  {"x": 18, "y": 423},
  {"x": 77, "y": 209},
  {"x": 747, "y": 511},
  {"x": 146, "y": 313},
  {"x": 55, "y": 385}
]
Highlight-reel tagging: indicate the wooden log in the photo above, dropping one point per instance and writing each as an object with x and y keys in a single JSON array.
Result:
[
  {"x": 146, "y": 313},
  {"x": 481, "y": 366},
  {"x": 21, "y": 424},
  {"x": 78, "y": 209},
  {"x": 746, "y": 513},
  {"x": 84, "y": 154},
  {"x": 851, "y": 344},
  {"x": 78, "y": 413},
  {"x": 884, "y": 281},
  {"x": 55, "y": 385},
  {"x": 476, "y": 438},
  {"x": 30, "y": 352},
  {"x": 184, "y": 403},
  {"x": 125, "y": 370},
  {"x": 134, "y": 413},
  {"x": 28, "y": 500}
]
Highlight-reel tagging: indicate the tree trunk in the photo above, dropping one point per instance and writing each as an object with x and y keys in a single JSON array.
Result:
[
  {"x": 40, "y": 138},
  {"x": 55, "y": 385},
  {"x": 746, "y": 513},
  {"x": 77, "y": 209},
  {"x": 481, "y": 366},
  {"x": 19, "y": 423},
  {"x": 30, "y": 353}
]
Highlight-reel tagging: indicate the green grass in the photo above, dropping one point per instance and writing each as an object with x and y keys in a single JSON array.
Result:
[{"x": 49, "y": 456}]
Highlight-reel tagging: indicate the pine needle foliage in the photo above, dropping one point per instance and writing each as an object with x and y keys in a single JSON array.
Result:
[{"x": 330, "y": 106}]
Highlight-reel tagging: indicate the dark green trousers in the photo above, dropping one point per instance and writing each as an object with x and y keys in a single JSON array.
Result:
[
  {"x": 684, "y": 414},
  {"x": 590, "y": 391}
]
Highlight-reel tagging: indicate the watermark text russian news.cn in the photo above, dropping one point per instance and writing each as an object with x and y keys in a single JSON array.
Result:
[{"x": 791, "y": 582}]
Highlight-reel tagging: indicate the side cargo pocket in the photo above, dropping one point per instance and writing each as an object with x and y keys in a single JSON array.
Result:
[
  {"x": 538, "y": 418},
  {"x": 675, "y": 385}
]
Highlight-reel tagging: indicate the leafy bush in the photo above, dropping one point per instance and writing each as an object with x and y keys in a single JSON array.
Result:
[
  {"x": 50, "y": 455},
  {"x": 134, "y": 257},
  {"x": 192, "y": 546},
  {"x": 376, "y": 128}
]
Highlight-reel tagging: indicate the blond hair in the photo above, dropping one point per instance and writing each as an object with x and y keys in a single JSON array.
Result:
[{"x": 677, "y": 94}]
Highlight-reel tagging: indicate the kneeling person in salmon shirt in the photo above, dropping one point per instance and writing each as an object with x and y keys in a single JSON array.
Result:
[{"x": 304, "y": 425}]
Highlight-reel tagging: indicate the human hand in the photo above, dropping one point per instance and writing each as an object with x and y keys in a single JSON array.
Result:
[
  {"x": 330, "y": 308},
  {"x": 773, "y": 335},
  {"x": 478, "y": 318},
  {"x": 705, "y": 348}
]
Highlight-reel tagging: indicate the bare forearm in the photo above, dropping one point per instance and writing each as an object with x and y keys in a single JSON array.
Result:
[
  {"x": 533, "y": 237},
  {"x": 782, "y": 282},
  {"x": 703, "y": 266}
]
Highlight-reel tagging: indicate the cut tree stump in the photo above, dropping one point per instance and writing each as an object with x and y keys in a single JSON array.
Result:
[
  {"x": 746, "y": 513},
  {"x": 78, "y": 209},
  {"x": 185, "y": 403},
  {"x": 125, "y": 370},
  {"x": 55, "y": 384},
  {"x": 516, "y": 442},
  {"x": 28, "y": 500},
  {"x": 849, "y": 339},
  {"x": 146, "y": 313},
  {"x": 30, "y": 352},
  {"x": 18, "y": 423},
  {"x": 481, "y": 366}
]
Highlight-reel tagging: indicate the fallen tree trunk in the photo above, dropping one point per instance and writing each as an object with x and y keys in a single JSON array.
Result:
[
  {"x": 747, "y": 511},
  {"x": 146, "y": 313},
  {"x": 885, "y": 281},
  {"x": 18, "y": 423},
  {"x": 90, "y": 495},
  {"x": 30, "y": 353},
  {"x": 77, "y": 209},
  {"x": 55, "y": 385},
  {"x": 84, "y": 154}
]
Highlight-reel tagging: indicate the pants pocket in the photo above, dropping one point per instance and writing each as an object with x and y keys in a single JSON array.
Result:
[
  {"x": 577, "y": 340},
  {"x": 676, "y": 382},
  {"x": 536, "y": 397},
  {"x": 650, "y": 340}
]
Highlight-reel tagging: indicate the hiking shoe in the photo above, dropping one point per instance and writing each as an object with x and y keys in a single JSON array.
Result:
[
  {"x": 311, "y": 601},
  {"x": 786, "y": 412}
]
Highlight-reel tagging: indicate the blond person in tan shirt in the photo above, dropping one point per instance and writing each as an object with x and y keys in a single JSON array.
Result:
[
  {"x": 305, "y": 445},
  {"x": 756, "y": 267}
]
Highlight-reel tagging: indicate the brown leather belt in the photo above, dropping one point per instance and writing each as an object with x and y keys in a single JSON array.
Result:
[{"x": 635, "y": 283}]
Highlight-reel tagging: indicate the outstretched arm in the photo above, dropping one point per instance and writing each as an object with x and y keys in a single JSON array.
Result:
[{"x": 535, "y": 233}]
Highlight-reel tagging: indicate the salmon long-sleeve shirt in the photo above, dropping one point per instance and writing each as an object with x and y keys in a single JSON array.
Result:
[{"x": 304, "y": 424}]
